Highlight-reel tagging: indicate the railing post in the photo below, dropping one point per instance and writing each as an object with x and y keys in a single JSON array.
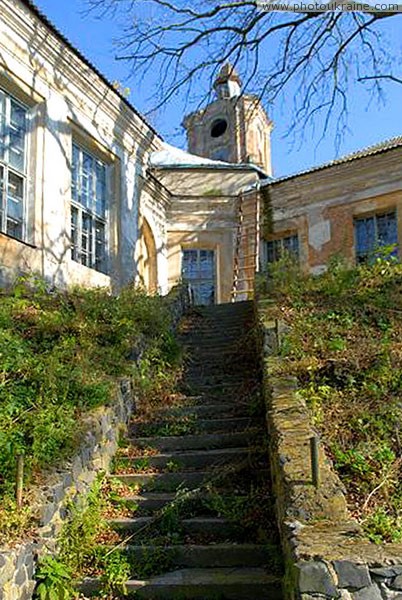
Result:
[
  {"x": 315, "y": 465},
  {"x": 20, "y": 479}
]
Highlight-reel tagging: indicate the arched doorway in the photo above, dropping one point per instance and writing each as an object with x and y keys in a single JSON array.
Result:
[{"x": 148, "y": 259}]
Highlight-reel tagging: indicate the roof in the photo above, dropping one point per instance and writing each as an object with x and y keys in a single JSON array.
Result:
[
  {"x": 390, "y": 144},
  {"x": 170, "y": 156},
  {"x": 174, "y": 158},
  {"x": 46, "y": 21}
]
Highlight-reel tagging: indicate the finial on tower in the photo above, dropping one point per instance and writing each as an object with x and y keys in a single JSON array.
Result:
[{"x": 228, "y": 82}]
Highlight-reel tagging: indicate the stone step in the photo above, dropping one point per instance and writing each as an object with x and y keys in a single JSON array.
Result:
[
  {"x": 229, "y": 343},
  {"x": 214, "y": 353},
  {"x": 227, "y": 307},
  {"x": 150, "y": 502},
  {"x": 193, "y": 460},
  {"x": 211, "y": 425},
  {"x": 223, "y": 332},
  {"x": 205, "y": 360},
  {"x": 204, "y": 410},
  {"x": 233, "y": 334},
  {"x": 218, "y": 316},
  {"x": 213, "y": 555},
  {"x": 167, "y": 482},
  {"x": 228, "y": 400},
  {"x": 216, "y": 380},
  {"x": 189, "y": 480},
  {"x": 203, "y": 584},
  {"x": 219, "y": 319},
  {"x": 228, "y": 330},
  {"x": 199, "y": 441},
  {"x": 219, "y": 390},
  {"x": 219, "y": 328},
  {"x": 198, "y": 502},
  {"x": 229, "y": 372},
  {"x": 213, "y": 528}
]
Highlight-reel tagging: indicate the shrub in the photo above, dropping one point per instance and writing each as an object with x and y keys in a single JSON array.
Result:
[
  {"x": 60, "y": 353},
  {"x": 343, "y": 345}
]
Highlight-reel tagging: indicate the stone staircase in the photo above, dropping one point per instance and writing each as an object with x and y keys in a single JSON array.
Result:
[{"x": 203, "y": 519}]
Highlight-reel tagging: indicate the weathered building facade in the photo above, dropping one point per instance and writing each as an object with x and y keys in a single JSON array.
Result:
[
  {"x": 74, "y": 192},
  {"x": 348, "y": 208},
  {"x": 91, "y": 195}
]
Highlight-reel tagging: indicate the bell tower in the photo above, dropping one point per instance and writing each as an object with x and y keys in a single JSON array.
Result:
[{"x": 233, "y": 128}]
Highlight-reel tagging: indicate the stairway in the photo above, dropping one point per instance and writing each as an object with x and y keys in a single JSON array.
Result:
[{"x": 202, "y": 518}]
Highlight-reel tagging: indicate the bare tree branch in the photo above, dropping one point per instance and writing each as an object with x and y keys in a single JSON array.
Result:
[{"x": 319, "y": 54}]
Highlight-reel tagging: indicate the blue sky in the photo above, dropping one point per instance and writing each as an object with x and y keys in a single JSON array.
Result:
[{"x": 369, "y": 123}]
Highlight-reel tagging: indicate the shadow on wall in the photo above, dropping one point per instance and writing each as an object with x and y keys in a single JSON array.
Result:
[
  {"x": 19, "y": 259},
  {"x": 124, "y": 207}
]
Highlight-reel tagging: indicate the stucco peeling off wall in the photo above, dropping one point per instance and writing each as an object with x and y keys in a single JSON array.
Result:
[
  {"x": 326, "y": 555},
  {"x": 17, "y": 564}
]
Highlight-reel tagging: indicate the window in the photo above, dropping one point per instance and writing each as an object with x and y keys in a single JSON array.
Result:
[
  {"x": 198, "y": 270},
  {"x": 88, "y": 210},
  {"x": 218, "y": 128},
  {"x": 374, "y": 232},
  {"x": 13, "y": 119},
  {"x": 278, "y": 248}
]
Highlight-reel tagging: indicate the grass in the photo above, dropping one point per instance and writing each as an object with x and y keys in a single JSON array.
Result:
[
  {"x": 344, "y": 344},
  {"x": 60, "y": 355}
]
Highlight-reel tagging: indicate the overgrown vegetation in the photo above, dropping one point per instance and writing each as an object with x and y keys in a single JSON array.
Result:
[
  {"x": 60, "y": 355},
  {"x": 345, "y": 347},
  {"x": 80, "y": 550},
  {"x": 88, "y": 545}
]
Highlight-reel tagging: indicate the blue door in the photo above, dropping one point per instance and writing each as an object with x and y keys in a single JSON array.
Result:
[{"x": 198, "y": 270}]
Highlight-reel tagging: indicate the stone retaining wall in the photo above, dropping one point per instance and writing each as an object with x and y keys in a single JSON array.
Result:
[
  {"x": 326, "y": 555},
  {"x": 103, "y": 427}
]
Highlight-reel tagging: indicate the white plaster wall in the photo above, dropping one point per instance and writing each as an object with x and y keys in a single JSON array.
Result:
[{"x": 37, "y": 68}]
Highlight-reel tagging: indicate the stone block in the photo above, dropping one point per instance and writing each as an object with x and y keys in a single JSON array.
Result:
[
  {"x": 21, "y": 557},
  {"x": 396, "y": 584},
  {"x": 371, "y": 592},
  {"x": 20, "y": 577},
  {"x": 58, "y": 492},
  {"x": 315, "y": 578},
  {"x": 27, "y": 592},
  {"x": 76, "y": 468},
  {"x": 48, "y": 514},
  {"x": 67, "y": 480},
  {"x": 387, "y": 572},
  {"x": 30, "y": 565},
  {"x": 7, "y": 571},
  {"x": 351, "y": 575},
  {"x": 388, "y": 594},
  {"x": 104, "y": 425},
  {"x": 85, "y": 455}
]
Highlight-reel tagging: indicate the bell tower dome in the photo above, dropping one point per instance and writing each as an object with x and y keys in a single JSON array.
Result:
[
  {"x": 234, "y": 127},
  {"x": 228, "y": 83}
]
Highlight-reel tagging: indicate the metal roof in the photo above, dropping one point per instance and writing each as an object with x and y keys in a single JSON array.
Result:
[
  {"x": 383, "y": 146},
  {"x": 171, "y": 157},
  {"x": 46, "y": 21}
]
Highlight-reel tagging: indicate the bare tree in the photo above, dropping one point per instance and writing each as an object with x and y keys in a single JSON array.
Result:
[{"x": 318, "y": 54}]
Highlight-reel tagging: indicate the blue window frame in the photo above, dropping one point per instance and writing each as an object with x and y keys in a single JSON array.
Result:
[
  {"x": 198, "y": 270},
  {"x": 375, "y": 232}
]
